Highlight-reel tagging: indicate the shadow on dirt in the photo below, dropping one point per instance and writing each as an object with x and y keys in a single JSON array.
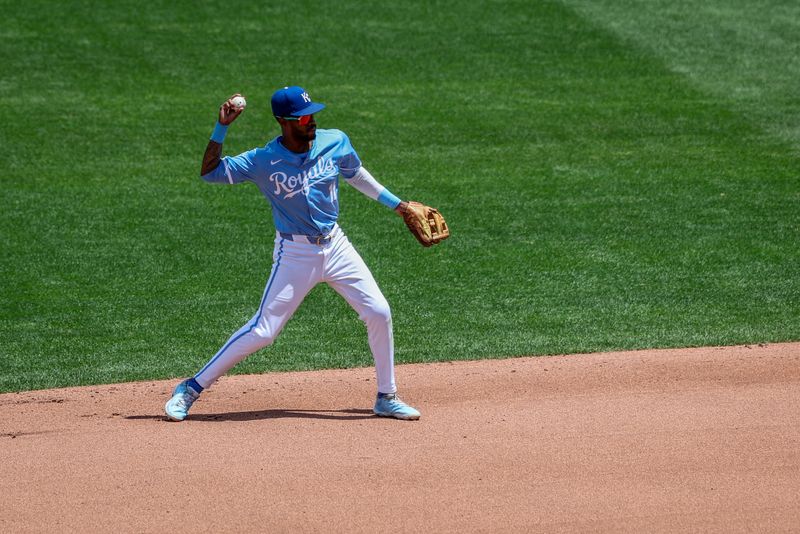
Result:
[{"x": 349, "y": 414}]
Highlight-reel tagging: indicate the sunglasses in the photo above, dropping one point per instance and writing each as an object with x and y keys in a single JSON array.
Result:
[{"x": 302, "y": 121}]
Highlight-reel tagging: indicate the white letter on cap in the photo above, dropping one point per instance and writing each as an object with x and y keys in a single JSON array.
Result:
[{"x": 306, "y": 97}]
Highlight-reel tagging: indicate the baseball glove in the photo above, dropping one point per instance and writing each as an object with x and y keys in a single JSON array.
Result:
[{"x": 426, "y": 223}]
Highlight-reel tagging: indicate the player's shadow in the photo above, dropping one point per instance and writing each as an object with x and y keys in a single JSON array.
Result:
[{"x": 349, "y": 414}]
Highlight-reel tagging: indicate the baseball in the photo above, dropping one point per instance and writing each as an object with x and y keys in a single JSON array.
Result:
[{"x": 239, "y": 102}]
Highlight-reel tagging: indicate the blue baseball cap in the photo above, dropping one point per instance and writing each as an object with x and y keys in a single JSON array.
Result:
[{"x": 294, "y": 102}]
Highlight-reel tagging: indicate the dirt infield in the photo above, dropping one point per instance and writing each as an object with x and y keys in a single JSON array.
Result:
[{"x": 670, "y": 440}]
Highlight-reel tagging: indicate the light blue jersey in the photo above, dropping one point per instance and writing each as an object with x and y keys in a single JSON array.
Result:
[{"x": 303, "y": 189}]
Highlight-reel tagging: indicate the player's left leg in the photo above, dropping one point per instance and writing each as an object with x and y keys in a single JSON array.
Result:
[{"x": 346, "y": 272}]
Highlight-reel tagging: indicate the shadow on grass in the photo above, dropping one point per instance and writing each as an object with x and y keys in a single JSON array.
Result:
[{"x": 349, "y": 414}]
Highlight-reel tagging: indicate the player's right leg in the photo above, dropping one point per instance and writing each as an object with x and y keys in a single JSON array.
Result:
[
  {"x": 296, "y": 269},
  {"x": 183, "y": 396}
]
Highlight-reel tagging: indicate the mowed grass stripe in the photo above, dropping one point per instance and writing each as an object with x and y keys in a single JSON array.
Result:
[
  {"x": 599, "y": 200},
  {"x": 746, "y": 54}
]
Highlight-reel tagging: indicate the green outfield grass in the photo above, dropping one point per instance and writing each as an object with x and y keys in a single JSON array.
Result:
[{"x": 617, "y": 175}]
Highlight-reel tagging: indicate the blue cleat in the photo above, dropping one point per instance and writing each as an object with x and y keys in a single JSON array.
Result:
[
  {"x": 389, "y": 405},
  {"x": 183, "y": 397}
]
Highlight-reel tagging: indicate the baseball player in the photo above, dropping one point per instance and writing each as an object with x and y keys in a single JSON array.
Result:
[{"x": 298, "y": 173}]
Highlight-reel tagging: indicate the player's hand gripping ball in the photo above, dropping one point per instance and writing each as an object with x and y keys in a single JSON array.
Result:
[{"x": 239, "y": 102}]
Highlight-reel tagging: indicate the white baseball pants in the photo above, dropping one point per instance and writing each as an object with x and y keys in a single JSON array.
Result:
[{"x": 297, "y": 267}]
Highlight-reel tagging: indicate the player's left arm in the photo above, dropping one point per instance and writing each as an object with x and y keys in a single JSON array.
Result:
[
  {"x": 424, "y": 222},
  {"x": 363, "y": 181},
  {"x": 360, "y": 178}
]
